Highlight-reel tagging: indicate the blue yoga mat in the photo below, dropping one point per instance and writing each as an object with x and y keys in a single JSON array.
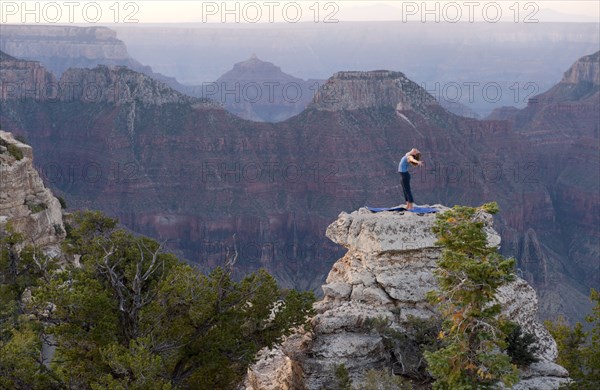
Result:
[
  {"x": 423, "y": 210},
  {"x": 380, "y": 209},
  {"x": 419, "y": 210}
]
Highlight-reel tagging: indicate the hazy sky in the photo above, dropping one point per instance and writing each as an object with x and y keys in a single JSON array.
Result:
[{"x": 231, "y": 12}]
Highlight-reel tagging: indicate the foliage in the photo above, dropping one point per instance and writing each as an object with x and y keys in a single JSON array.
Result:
[
  {"x": 15, "y": 152},
  {"x": 343, "y": 378},
  {"x": 382, "y": 380},
  {"x": 578, "y": 350},
  {"x": 133, "y": 316},
  {"x": 62, "y": 201},
  {"x": 21, "y": 364},
  {"x": 12, "y": 149},
  {"x": 408, "y": 345},
  {"x": 36, "y": 207},
  {"x": 521, "y": 346},
  {"x": 469, "y": 274}
]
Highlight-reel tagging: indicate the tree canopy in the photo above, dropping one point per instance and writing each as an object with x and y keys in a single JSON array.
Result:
[{"x": 128, "y": 314}]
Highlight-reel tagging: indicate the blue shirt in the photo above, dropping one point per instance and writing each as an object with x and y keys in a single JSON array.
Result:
[{"x": 403, "y": 167}]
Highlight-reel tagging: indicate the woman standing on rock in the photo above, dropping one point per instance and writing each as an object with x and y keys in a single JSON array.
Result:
[{"x": 411, "y": 158}]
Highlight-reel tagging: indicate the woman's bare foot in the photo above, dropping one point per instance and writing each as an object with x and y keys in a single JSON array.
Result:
[{"x": 409, "y": 206}]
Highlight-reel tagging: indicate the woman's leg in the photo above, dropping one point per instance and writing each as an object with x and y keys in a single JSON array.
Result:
[{"x": 406, "y": 188}]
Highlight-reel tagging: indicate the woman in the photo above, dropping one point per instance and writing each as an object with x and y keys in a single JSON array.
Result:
[{"x": 411, "y": 158}]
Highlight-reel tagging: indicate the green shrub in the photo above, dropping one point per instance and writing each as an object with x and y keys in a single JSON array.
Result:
[
  {"x": 343, "y": 378},
  {"x": 37, "y": 207},
  {"x": 58, "y": 230},
  {"x": 382, "y": 380},
  {"x": 521, "y": 347},
  {"x": 408, "y": 346},
  {"x": 15, "y": 152},
  {"x": 62, "y": 201},
  {"x": 579, "y": 350}
]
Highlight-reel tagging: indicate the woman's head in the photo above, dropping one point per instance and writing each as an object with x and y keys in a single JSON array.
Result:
[{"x": 416, "y": 154}]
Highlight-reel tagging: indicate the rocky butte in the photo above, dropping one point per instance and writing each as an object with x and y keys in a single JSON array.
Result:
[{"x": 386, "y": 273}]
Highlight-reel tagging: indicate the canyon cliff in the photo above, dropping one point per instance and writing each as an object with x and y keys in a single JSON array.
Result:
[
  {"x": 386, "y": 274},
  {"x": 26, "y": 205},
  {"x": 187, "y": 171},
  {"x": 563, "y": 127}
]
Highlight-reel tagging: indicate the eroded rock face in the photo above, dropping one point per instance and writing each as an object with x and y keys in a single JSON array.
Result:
[
  {"x": 61, "y": 47},
  {"x": 356, "y": 90},
  {"x": 25, "y": 202},
  {"x": 387, "y": 273}
]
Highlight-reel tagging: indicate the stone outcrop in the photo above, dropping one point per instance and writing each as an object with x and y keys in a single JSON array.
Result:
[
  {"x": 22, "y": 79},
  {"x": 25, "y": 203},
  {"x": 386, "y": 272},
  {"x": 118, "y": 85},
  {"x": 586, "y": 69}
]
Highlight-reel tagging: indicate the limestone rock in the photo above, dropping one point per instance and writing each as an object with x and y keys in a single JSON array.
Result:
[
  {"x": 386, "y": 274},
  {"x": 282, "y": 372},
  {"x": 26, "y": 203}
]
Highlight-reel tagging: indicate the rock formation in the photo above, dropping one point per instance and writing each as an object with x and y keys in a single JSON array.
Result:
[
  {"x": 62, "y": 47},
  {"x": 386, "y": 273},
  {"x": 24, "y": 79},
  {"x": 25, "y": 203},
  {"x": 356, "y": 90},
  {"x": 258, "y": 90},
  {"x": 59, "y": 48}
]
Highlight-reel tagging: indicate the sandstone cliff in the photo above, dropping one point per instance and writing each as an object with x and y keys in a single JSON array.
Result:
[
  {"x": 25, "y": 202},
  {"x": 386, "y": 272}
]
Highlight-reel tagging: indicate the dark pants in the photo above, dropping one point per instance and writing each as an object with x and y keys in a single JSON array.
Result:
[{"x": 406, "y": 187}]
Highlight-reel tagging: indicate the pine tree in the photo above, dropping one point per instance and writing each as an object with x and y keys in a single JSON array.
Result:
[
  {"x": 578, "y": 350},
  {"x": 469, "y": 274}
]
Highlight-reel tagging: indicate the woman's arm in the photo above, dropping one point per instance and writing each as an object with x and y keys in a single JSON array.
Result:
[{"x": 414, "y": 161}]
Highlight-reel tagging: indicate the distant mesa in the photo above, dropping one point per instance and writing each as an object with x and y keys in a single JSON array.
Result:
[{"x": 354, "y": 90}]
